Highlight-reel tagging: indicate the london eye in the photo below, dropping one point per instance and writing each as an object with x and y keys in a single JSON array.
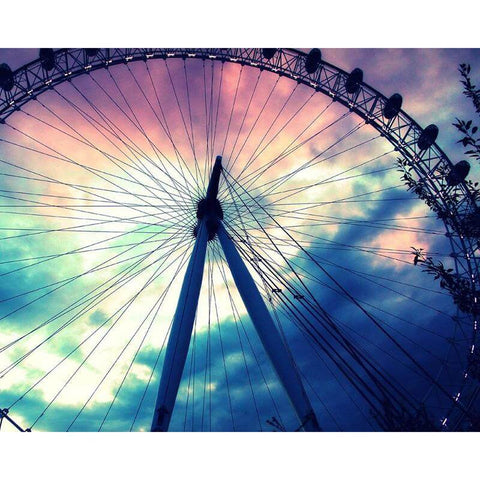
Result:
[{"x": 220, "y": 239}]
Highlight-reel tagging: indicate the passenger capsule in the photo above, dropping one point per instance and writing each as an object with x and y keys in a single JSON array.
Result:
[
  {"x": 268, "y": 53},
  {"x": 312, "y": 61},
  {"x": 393, "y": 106},
  {"x": 427, "y": 137},
  {"x": 6, "y": 77},
  {"x": 47, "y": 56},
  {"x": 458, "y": 173},
  {"x": 354, "y": 80},
  {"x": 92, "y": 52}
]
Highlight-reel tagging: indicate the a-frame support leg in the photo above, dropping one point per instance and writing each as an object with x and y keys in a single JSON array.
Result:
[{"x": 268, "y": 333}]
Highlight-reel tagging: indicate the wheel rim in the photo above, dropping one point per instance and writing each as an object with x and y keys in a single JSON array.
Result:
[{"x": 252, "y": 201}]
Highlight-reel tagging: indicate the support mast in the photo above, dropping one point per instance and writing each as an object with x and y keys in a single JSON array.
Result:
[
  {"x": 210, "y": 216},
  {"x": 268, "y": 333}
]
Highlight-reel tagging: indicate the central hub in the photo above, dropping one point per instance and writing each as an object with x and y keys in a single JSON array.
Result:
[
  {"x": 212, "y": 212},
  {"x": 209, "y": 209}
]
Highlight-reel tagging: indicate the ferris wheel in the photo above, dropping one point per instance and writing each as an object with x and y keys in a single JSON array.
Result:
[{"x": 221, "y": 239}]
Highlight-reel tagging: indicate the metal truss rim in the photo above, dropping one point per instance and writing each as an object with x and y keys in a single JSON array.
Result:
[{"x": 401, "y": 131}]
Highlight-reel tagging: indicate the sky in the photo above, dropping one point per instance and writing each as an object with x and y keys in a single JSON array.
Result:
[{"x": 100, "y": 181}]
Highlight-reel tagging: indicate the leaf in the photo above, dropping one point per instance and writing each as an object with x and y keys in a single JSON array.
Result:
[{"x": 474, "y": 130}]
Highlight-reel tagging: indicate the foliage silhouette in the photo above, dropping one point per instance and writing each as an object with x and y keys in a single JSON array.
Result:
[{"x": 466, "y": 127}]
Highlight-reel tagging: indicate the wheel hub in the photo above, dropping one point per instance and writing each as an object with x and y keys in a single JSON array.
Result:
[{"x": 209, "y": 208}]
